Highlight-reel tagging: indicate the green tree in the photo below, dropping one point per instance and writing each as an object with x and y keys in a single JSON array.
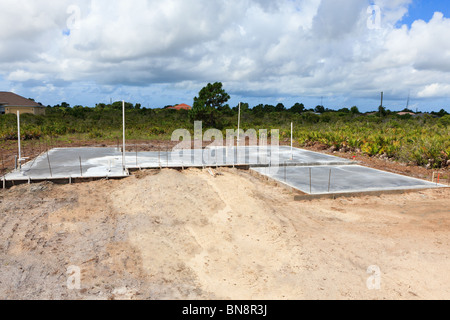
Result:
[
  {"x": 212, "y": 96},
  {"x": 442, "y": 113},
  {"x": 100, "y": 106},
  {"x": 297, "y": 108},
  {"x": 354, "y": 110},
  {"x": 258, "y": 108},
  {"x": 280, "y": 107},
  {"x": 319, "y": 109},
  {"x": 244, "y": 107},
  {"x": 118, "y": 105},
  {"x": 209, "y": 99},
  {"x": 224, "y": 108},
  {"x": 269, "y": 108}
]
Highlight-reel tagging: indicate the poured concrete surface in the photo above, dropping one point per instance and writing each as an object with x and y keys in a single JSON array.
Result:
[
  {"x": 65, "y": 163},
  {"x": 344, "y": 179},
  {"x": 107, "y": 162},
  {"x": 223, "y": 156},
  {"x": 288, "y": 166}
]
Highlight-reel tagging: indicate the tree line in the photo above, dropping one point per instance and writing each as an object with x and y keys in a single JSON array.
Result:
[{"x": 212, "y": 101}]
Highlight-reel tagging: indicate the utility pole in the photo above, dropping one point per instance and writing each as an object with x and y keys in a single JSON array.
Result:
[
  {"x": 407, "y": 102},
  {"x": 382, "y": 95}
]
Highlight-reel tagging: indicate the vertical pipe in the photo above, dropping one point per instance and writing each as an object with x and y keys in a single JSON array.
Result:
[
  {"x": 239, "y": 125},
  {"x": 49, "y": 166},
  {"x": 292, "y": 141},
  {"x": 124, "y": 142},
  {"x": 81, "y": 168},
  {"x": 18, "y": 138}
]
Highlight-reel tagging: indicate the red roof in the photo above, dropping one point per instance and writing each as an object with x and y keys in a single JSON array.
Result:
[{"x": 181, "y": 107}]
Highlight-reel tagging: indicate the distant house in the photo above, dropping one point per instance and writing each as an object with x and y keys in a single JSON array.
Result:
[
  {"x": 11, "y": 103},
  {"x": 406, "y": 113},
  {"x": 181, "y": 107}
]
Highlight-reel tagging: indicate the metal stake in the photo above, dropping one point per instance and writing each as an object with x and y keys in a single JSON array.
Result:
[
  {"x": 310, "y": 180},
  {"x": 49, "y": 166}
]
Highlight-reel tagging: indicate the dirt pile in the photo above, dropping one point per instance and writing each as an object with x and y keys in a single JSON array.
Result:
[{"x": 188, "y": 235}]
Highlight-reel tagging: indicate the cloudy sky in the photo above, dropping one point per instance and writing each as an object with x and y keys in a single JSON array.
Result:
[{"x": 341, "y": 52}]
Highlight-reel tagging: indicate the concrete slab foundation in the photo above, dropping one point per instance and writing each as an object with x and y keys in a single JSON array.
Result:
[
  {"x": 72, "y": 163},
  {"x": 306, "y": 171},
  {"x": 322, "y": 180},
  {"x": 107, "y": 162}
]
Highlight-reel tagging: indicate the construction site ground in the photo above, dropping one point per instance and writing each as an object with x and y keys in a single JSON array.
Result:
[{"x": 188, "y": 235}]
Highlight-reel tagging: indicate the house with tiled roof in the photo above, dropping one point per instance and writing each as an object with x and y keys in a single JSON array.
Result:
[
  {"x": 182, "y": 106},
  {"x": 11, "y": 103}
]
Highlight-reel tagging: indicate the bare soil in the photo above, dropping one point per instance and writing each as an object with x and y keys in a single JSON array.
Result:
[{"x": 189, "y": 235}]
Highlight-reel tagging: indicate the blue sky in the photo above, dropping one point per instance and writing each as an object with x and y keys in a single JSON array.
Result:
[
  {"x": 160, "y": 53},
  {"x": 424, "y": 10}
]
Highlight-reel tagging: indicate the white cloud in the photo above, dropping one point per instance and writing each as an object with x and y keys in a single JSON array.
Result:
[
  {"x": 257, "y": 47},
  {"x": 435, "y": 90},
  {"x": 21, "y": 76}
]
